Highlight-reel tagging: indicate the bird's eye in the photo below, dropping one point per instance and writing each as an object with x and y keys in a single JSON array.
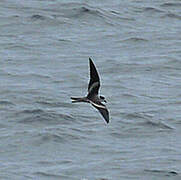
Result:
[{"x": 102, "y": 97}]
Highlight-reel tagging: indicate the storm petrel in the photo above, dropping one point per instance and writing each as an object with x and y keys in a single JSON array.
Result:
[{"x": 93, "y": 91}]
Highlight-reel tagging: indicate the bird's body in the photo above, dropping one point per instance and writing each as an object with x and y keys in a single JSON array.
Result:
[{"x": 93, "y": 90}]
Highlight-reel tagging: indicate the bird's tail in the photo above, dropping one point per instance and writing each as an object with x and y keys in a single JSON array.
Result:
[{"x": 74, "y": 99}]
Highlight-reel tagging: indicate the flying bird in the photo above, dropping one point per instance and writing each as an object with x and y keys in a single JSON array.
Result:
[{"x": 93, "y": 90}]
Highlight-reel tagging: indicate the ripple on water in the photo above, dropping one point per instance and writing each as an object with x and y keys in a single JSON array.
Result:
[
  {"x": 160, "y": 125},
  {"x": 161, "y": 172},
  {"x": 6, "y": 103},
  {"x": 42, "y": 116},
  {"x": 49, "y": 175},
  {"x": 135, "y": 40},
  {"x": 171, "y": 4},
  {"x": 56, "y": 135},
  {"x": 152, "y": 10},
  {"x": 172, "y": 16},
  {"x": 37, "y": 17}
]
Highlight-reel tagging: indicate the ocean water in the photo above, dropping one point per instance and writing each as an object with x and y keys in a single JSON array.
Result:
[{"x": 45, "y": 46}]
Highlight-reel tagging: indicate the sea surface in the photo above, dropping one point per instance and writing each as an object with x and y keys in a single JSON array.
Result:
[{"x": 44, "y": 51}]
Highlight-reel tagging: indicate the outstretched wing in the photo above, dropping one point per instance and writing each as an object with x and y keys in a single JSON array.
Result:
[
  {"x": 102, "y": 109},
  {"x": 94, "y": 83}
]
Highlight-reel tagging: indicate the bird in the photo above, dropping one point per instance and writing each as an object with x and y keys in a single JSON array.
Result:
[{"x": 93, "y": 90}]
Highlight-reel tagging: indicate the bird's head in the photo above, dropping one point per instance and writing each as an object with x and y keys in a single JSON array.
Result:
[{"x": 103, "y": 99}]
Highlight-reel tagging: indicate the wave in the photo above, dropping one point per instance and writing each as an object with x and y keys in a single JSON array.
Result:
[
  {"x": 161, "y": 172},
  {"x": 38, "y": 17},
  {"x": 121, "y": 17},
  {"x": 134, "y": 116},
  {"x": 6, "y": 103},
  {"x": 25, "y": 75},
  {"x": 160, "y": 125},
  {"x": 171, "y": 15},
  {"x": 135, "y": 39},
  {"x": 56, "y": 135},
  {"x": 43, "y": 116},
  {"x": 71, "y": 10},
  {"x": 53, "y": 104},
  {"x": 89, "y": 13},
  {"x": 35, "y": 75},
  {"x": 146, "y": 122},
  {"x": 52, "y": 163},
  {"x": 32, "y": 111},
  {"x": 171, "y": 4},
  {"x": 48, "y": 19},
  {"x": 46, "y": 137},
  {"x": 49, "y": 175},
  {"x": 152, "y": 10},
  {"x": 83, "y": 11}
]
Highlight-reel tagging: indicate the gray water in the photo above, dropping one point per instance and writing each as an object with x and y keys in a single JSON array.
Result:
[{"x": 44, "y": 48}]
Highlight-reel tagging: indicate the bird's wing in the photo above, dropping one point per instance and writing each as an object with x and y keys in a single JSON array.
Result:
[
  {"x": 102, "y": 109},
  {"x": 94, "y": 83}
]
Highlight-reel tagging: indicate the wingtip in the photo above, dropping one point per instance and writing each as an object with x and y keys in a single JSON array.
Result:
[
  {"x": 107, "y": 121},
  {"x": 91, "y": 64},
  {"x": 90, "y": 60}
]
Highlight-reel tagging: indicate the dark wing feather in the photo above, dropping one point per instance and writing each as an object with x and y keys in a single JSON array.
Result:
[
  {"x": 94, "y": 83},
  {"x": 103, "y": 110}
]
